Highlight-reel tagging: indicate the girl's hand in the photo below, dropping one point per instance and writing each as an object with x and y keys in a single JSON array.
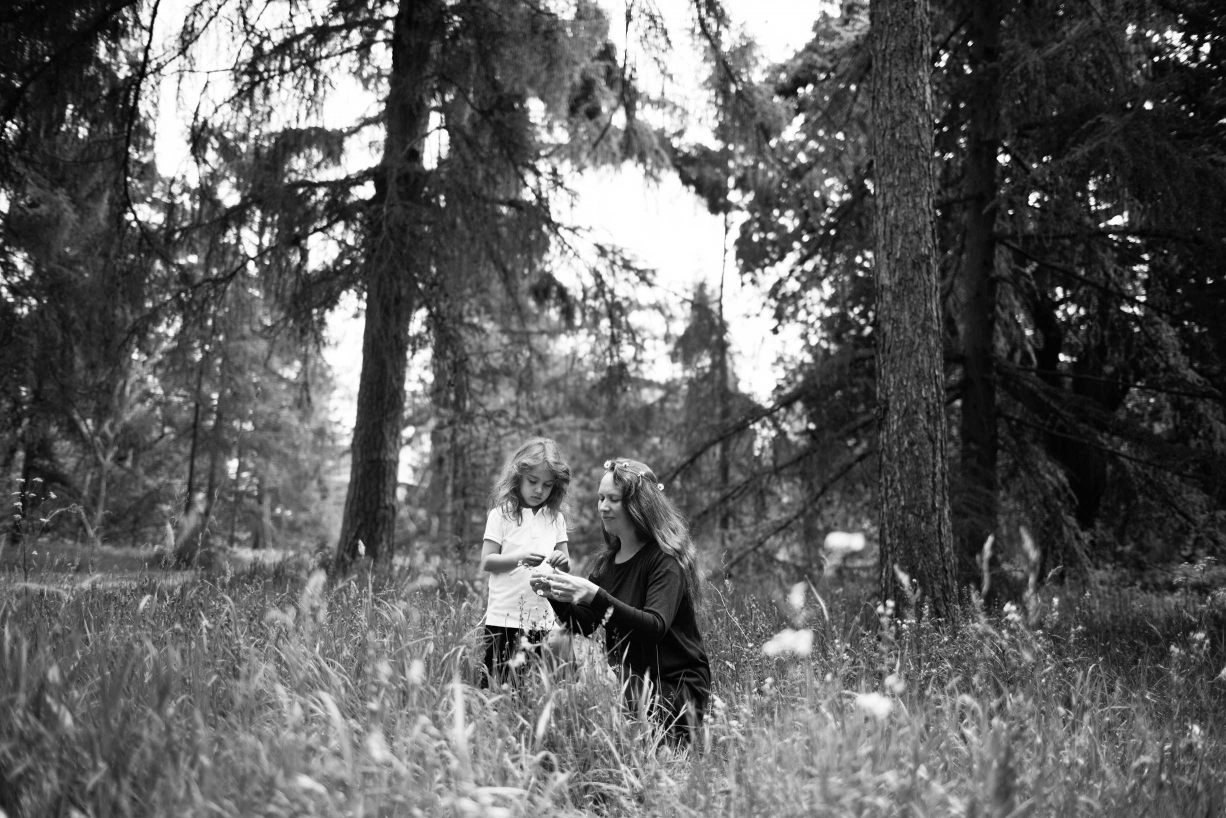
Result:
[
  {"x": 569, "y": 588},
  {"x": 558, "y": 560},
  {"x": 531, "y": 560}
]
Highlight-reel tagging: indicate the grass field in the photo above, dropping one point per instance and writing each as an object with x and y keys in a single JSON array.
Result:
[{"x": 271, "y": 691}]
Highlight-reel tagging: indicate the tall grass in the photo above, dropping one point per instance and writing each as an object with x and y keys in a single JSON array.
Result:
[{"x": 263, "y": 694}]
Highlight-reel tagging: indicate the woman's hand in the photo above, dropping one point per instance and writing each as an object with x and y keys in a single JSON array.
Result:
[{"x": 567, "y": 588}]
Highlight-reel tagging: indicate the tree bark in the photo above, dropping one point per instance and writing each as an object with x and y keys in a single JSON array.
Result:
[
  {"x": 915, "y": 529},
  {"x": 976, "y": 500},
  {"x": 395, "y": 258}
]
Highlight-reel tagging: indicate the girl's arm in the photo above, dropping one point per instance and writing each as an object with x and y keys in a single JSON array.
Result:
[{"x": 493, "y": 560}]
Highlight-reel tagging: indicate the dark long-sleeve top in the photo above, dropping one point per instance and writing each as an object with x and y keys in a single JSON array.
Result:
[{"x": 651, "y": 629}]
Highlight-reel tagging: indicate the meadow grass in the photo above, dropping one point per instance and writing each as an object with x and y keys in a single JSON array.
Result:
[{"x": 282, "y": 693}]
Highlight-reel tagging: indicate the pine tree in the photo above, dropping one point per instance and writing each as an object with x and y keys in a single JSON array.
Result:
[
  {"x": 481, "y": 108},
  {"x": 916, "y": 537},
  {"x": 1077, "y": 283}
]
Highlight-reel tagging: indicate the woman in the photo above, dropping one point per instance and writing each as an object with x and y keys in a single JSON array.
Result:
[{"x": 645, "y": 591}]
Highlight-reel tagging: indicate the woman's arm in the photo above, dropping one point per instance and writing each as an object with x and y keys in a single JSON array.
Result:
[
  {"x": 589, "y": 604},
  {"x": 665, "y": 589},
  {"x": 576, "y": 616}
]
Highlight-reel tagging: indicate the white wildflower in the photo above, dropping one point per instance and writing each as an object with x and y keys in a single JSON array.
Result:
[
  {"x": 1013, "y": 616},
  {"x": 376, "y": 745},
  {"x": 310, "y": 784},
  {"x": 417, "y": 672},
  {"x": 796, "y": 597},
  {"x": 383, "y": 670},
  {"x": 790, "y": 642},
  {"x": 875, "y": 705},
  {"x": 839, "y": 544}
]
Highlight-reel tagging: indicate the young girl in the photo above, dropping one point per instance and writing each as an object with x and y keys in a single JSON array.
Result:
[{"x": 525, "y": 528}]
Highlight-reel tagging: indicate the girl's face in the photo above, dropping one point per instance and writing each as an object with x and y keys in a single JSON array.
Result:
[
  {"x": 612, "y": 513},
  {"x": 535, "y": 486}
]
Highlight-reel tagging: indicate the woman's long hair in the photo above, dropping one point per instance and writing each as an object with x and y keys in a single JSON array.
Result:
[
  {"x": 655, "y": 518},
  {"x": 506, "y": 494}
]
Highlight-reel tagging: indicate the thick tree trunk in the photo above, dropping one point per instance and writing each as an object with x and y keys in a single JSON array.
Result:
[
  {"x": 396, "y": 255},
  {"x": 976, "y": 498},
  {"x": 915, "y": 528}
]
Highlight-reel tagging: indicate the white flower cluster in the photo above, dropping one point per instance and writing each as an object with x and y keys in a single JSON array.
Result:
[{"x": 789, "y": 642}]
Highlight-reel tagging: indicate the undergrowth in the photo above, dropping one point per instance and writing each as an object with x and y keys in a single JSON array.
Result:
[{"x": 271, "y": 693}]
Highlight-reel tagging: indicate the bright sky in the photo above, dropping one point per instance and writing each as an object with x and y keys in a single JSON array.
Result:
[{"x": 669, "y": 229}]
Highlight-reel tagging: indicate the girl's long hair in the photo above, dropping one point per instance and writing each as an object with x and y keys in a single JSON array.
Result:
[
  {"x": 655, "y": 518},
  {"x": 506, "y": 495}
]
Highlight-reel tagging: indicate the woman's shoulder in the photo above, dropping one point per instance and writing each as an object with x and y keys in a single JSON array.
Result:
[{"x": 658, "y": 558}]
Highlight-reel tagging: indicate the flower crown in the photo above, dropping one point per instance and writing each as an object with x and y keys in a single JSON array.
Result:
[{"x": 611, "y": 465}]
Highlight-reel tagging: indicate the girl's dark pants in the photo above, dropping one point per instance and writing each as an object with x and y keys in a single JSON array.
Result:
[{"x": 501, "y": 647}]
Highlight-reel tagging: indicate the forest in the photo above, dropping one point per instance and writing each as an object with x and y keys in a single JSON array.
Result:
[{"x": 1018, "y": 417}]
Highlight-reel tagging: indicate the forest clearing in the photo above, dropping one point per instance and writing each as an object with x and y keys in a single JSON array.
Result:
[
  {"x": 592, "y": 407},
  {"x": 275, "y": 693}
]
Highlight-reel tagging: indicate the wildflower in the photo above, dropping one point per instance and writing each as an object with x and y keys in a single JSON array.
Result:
[
  {"x": 361, "y": 548},
  {"x": 383, "y": 670},
  {"x": 788, "y": 641},
  {"x": 895, "y": 684},
  {"x": 796, "y": 597},
  {"x": 310, "y": 784},
  {"x": 376, "y": 745},
  {"x": 417, "y": 672},
  {"x": 1013, "y": 616},
  {"x": 875, "y": 705}
]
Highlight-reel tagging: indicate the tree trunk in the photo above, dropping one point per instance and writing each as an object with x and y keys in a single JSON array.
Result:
[
  {"x": 915, "y": 528},
  {"x": 263, "y": 531},
  {"x": 721, "y": 398},
  {"x": 216, "y": 453},
  {"x": 976, "y": 498},
  {"x": 235, "y": 494},
  {"x": 395, "y": 258}
]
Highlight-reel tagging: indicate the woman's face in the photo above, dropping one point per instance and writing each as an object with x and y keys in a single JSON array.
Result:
[
  {"x": 612, "y": 513},
  {"x": 535, "y": 486}
]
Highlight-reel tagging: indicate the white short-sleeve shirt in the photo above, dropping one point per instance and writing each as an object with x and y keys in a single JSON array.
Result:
[{"x": 512, "y": 603}]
